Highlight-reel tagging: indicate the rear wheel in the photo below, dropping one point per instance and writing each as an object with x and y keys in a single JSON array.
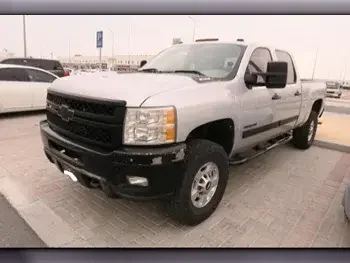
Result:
[
  {"x": 303, "y": 137},
  {"x": 203, "y": 185}
]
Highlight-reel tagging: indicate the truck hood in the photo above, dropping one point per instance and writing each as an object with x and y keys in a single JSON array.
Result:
[{"x": 134, "y": 88}]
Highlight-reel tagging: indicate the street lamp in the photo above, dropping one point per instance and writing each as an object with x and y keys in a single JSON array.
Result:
[
  {"x": 110, "y": 30},
  {"x": 129, "y": 41},
  {"x": 24, "y": 36},
  {"x": 313, "y": 72},
  {"x": 194, "y": 26},
  {"x": 69, "y": 51}
]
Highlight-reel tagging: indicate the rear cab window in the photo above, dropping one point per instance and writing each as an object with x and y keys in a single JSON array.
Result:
[{"x": 286, "y": 57}]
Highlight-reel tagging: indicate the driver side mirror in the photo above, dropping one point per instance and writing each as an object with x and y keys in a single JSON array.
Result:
[
  {"x": 142, "y": 63},
  {"x": 276, "y": 75}
]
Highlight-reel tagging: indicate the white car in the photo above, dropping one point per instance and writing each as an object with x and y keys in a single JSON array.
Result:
[{"x": 23, "y": 88}]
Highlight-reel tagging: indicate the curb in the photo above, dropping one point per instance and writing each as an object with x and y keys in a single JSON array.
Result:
[
  {"x": 332, "y": 146},
  {"x": 44, "y": 222}
]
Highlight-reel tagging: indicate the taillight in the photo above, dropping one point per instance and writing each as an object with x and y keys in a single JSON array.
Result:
[{"x": 66, "y": 73}]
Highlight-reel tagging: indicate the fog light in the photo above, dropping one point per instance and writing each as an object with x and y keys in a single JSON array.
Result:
[{"x": 137, "y": 180}]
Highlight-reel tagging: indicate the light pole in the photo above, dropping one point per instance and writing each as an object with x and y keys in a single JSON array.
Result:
[
  {"x": 129, "y": 42},
  {"x": 313, "y": 72},
  {"x": 194, "y": 27},
  {"x": 346, "y": 67},
  {"x": 112, "y": 42},
  {"x": 24, "y": 36},
  {"x": 69, "y": 50}
]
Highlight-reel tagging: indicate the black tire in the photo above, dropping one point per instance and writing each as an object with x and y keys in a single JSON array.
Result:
[
  {"x": 346, "y": 202},
  {"x": 199, "y": 152},
  {"x": 300, "y": 134}
]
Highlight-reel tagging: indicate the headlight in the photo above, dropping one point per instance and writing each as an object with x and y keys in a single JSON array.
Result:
[{"x": 149, "y": 126}]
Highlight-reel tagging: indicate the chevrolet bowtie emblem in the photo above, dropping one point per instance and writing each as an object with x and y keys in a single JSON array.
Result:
[{"x": 65, "y": 113}]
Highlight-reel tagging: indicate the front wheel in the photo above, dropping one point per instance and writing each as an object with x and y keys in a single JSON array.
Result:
[
  {"x": 303, "y": 137},
  {"x": 205, "y": 178}
]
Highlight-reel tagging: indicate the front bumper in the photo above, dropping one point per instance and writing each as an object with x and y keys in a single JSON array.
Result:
[
  {"x": 332, "y": 94},
  {"x": 162, "y": 166}
]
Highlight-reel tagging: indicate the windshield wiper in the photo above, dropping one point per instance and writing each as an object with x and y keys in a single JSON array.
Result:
[
  {"x": 150, "y": 70},
  {"x": 191, "y": 72}
]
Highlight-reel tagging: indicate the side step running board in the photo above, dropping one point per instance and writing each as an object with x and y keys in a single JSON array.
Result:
[{"x": 273, "y": 144}]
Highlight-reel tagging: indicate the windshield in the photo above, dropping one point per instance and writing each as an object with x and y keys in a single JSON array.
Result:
[
  {"x": 332, "y": 85},
  {"x": 212, "y": 60}
]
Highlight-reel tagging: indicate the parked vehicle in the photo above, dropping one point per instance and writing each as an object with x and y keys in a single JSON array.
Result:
[
  {"x": 334, "y": 89},
  {"x": 170, "y": 130},
  {"x": 23, "y": 88},
  {"x": 53, "y": 66}
]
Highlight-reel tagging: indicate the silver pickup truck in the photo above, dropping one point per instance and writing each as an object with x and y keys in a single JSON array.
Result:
[
  {"x": 334, "y": 89},
  {"x": 171, "y": 130}
]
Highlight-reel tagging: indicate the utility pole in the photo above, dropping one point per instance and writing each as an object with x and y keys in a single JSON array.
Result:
[
  {"x": 345, "y": 69},
  {"x": 69, "y": 51},
  {"x": 194, "y": 28},
  {"x": 130, "y": 42},
  {"x": 24, "y": 36},
  {"x": 112, "y": 42},
  {"x": 313, "y": 72}
]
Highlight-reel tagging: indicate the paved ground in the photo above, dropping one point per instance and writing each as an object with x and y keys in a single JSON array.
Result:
[
  {"x": 286, "y": 198},
  {"x": 341, "y": 105},
  {"x": 14, "y": 231},
  {"x": 334, "y": 129}
]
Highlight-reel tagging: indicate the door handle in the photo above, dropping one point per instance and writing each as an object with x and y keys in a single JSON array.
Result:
[
  {"x": 297, "y": 93},
  {"x": 276, "y": 97}
]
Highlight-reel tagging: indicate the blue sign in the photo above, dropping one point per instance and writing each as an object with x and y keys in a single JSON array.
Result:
[{"x": 99, "y": 39}]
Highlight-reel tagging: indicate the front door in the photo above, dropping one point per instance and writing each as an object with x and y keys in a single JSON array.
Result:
[
  {"x": 39, "y": 82},
  {"x": 288, "y": 107},
  {"x": 258, "y": 113}
]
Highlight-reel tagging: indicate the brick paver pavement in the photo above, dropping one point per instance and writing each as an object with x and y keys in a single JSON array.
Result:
[
  {"x": 14, "y": 231},
  {"x": 283, "y": 198}
]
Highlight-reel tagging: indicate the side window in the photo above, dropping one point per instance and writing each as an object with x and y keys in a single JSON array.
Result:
[
  {"x": 33, "y": 63},
  {"x": 50, "y": 65},
  {"x": 284, "y": 56},
  {"x": 13, "y": 74},
  {"x": 258, "y": 62},
  {"x": 39, "y": 76}
]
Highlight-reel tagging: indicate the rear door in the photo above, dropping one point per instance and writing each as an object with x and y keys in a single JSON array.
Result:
[
  {"x": 288, "y": 107},
  {"x": 15, "y": 92},
  {"x": 39, "y": 82}
]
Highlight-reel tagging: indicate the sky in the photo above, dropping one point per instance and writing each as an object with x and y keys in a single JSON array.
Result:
[{"x": 149, "y": 34}]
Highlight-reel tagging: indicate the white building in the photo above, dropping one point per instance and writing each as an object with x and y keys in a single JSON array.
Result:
[
  {"x": 118, "y": 60},
  {"x": 5, "y": 54}
]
